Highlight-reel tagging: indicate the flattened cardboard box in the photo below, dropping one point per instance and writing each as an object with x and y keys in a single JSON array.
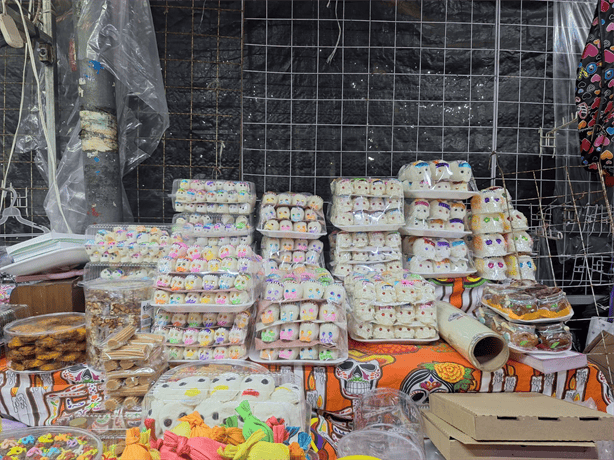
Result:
[
  {"x": 455, "y": 445},
  {"x": 521, "y": 417}
]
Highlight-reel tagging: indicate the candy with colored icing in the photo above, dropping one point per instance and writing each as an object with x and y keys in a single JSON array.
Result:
[
  {"x": 521, "y": 267},
  {"x": 328, "y": 312},
  {"x": 309, "y": 332},
  {"x": 274, "y": 291},
  {"x": 405, "y": 314},
  {"x": 176, "y": 299},
  {"x": 519, "y": 241},
  {"x": 206, "y": 298},
  {"x": 292, "y": 290},
  {"x": 458, "y": 248},
  {"x": 220, "y": 336},
  {"x": 383, "y": 332},
  {"x": 309, "y": 311},
  {"x": 269, "y": 354},
  {"x": 174, "y": 335},
  {"x": 309, "y": 352},
  {"x": 314, "y": 227},
  {"x": 289, "y": 312},
  {"x": 457, "y": 210},
  {"x": 363, "y": 330},
  {"x": 491, "y": 268},
  {"x": 193, "y": 282},
  {"x": 190, "y": 336},
  {"x": 403, "y": 332},
  {"x": 364, "y": 312},
  {"x": 205, "y": 337},
  {"x": 460, "y": 171},
  {"x": 426, "y": 314},
  {"x": 227, "y": 281},
  {"x": 328, "y": 354},
  {"x": 288, "y": 353},
  {"x": 220, "y": 353},
  {"x": 298, "y": 257},
  {"x": 210, "y": 282},
  {"x": 297, "y": 214},
  {"x": 329, "y": 333},
  {"x": 312, "y": 290},
  {"x": 179, "y": 319},
  {"x": 224, "y": 319},
  {"x": 270, "y": 314},
  {"x": 302, "y": 227},
  {"x": 455, "y": 224},
  {"x": 237, "y": 351},
  {"x": 270, "y": 334},
  {"x": 289, "y": 331},
  {"x": 222, "y": 298},
  {"x": 419, "y": 265},
  {"x": 489, "y": 245}
]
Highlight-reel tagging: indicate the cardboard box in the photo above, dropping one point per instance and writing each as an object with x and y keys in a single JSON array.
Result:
[
  {"x": 521, "y": 417},
  {"x": 47, "y": 297},
  {"x": 601, "y": 353},
  {"x": 549, "y": 364},
  {"x": 455, "y": 445}
]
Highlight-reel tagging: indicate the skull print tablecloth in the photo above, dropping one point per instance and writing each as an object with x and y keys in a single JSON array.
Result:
[{"x": 332, "y": 391}]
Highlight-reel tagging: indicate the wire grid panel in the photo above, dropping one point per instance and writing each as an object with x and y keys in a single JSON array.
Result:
[
  {"x": 361, "y": 88},
  {"x": 200, "y": 48}
]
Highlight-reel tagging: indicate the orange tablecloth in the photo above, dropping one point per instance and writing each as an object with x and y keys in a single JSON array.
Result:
[{"x": 44, "y": 399}]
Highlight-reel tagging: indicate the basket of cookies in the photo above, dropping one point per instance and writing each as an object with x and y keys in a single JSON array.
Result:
[{"x": 45, "y": 343}]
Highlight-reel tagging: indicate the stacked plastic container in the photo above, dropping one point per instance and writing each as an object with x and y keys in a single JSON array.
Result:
[
  {"x": 369, "y": 212},
  {"x": 435, "y": 217},
  {"x": 530, "y": 316},
  {"x": 204, "y": 296},
  {"x": 215, "y": 390},
  {"x": 291, "y": 225},
  {"x": 301, "y": 319},
  {"x": 391, "y": 308},
  {"x": 500, "y": 242}
]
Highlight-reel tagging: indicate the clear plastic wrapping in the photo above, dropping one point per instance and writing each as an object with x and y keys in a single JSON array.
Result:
[
  {"x": 520, "y": 267},
  {"x": 445, "y": 218},
  {"x": 287, "y": 251},
  {"x": 491, "y": 268},
  {"x": 66, "y": 441},
  {"x": 218, "y": 224},
  {"x": 550, "y": 338},
  {"x": 528, "y": 301},
  {"x": 437, "y": 179},
  {"x": 489, "y": 245},
  {"x": 437, "y": 256},
  {"x": 519, "y": 242},
  {"x": 207, "y": 258},
  {"x": 11, "y": 312},
  {"x": 45, "y": 343},
  {"x": 189, "y": 193},
  {"x": 301, "y": 319},
  {"x": 397, "y": 308},
  {"x": 118, "y": 272},
  {"x": 121, "y": 244},
  {"x": 215, "y": 390},
  {"x": 360, "y": 213},
  {"x": 111, "y": 297},
  {"x": 491, "y": 200},
  {"x": 291, "y": 215},
  {"x": 197, "y": 336},
  {"x": 214, "y": 288}
]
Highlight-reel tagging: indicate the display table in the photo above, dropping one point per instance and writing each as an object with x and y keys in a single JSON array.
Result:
[{"x": 44, "y": 399}]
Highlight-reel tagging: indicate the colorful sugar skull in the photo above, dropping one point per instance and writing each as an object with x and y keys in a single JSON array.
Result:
[
  {"x": 177, "y": 283},
  {"x": 222, "y": 298},
  {"x": 206, "y": 298},
  {"x": 287, "y": 244},
  {"x": 182, "y": 265},
  {"x": 179, "y": 319},
  {"x": 210, "y": 282},
  {"x": 224, "y": 319},
  {"x": 442, "y": 249},
  {"x": 440, "y": 171},
  {"x": 285, "y": 225},
  {"x": 344, "y": 219},
  {"x": 289, "y": 332},
  {"x": 312, "y": 290},
  {"x": 394, "y": 188},
  {"x": 269, "y": 354},
  {"x": 220, "y": 353},
  {"x": 237, "y": 351},
  {"x": 243, "y": 282},
  {"x": 297, "y": 214},
  {"x": 385, "y": 292},
  {"x": 300, "y": 200},
  {"x": 335, "y": 294},
  {"x": 220, "y": 336},
  {"x": 309, "y": 332},
  {"x": 517, "y": 220},
  {"x": 270, "y": 314},
  {"x": 309, "y": 311},
  {"x": 163, "y": 280},
  {"x": 491, "y": 268},
  {"x": 309, "y": 353},
  {"x": 205, "y": 337},
  {"x": 274, "y": 291},
  {"x": 403, "y": 332},
  {"x": 519, "y": 241},
  {"x": 242, "y": 319},
  {"x": 269, "y": 198},
  {"x": 394, "y": 216},
  {"x": 197, "y": 266},
  {"x": 459, "y": 266},
  {"x": 489, "y": 245},
  {"x": 283, "y": 213},
  {"x": 521, "y": 267},
  {"x": 174, "y": 335},
  {"x": 310, "y": 215},
  {"x": 271, "y": 246},
  {"x": 302, "y": 227},
  {"x": 288, "y": 353},
  {"x": 456, "y": 225},
  {"x": 270, "y": 334},
  {"x": 364, "y": 312},
  {"x": 383, "y": 332},
  {"x": 193, "y": 282},
  {"x": 237, "y": 335},
  {"x": 439, "y": 209},
  {"x": 190, "y": 353},
  {"x": 289, "y": 312},
  {"x": 190, "y": 336},
  {"x": 292, "y": 290},
  {"x": 328, "y": 312},
  {"x": 271, "y": 225},
  {"x": 329, "y": 333},
  {"x": 315, "y": 202},
  {"x": 424, "y": 248},
  {"x": 487, "y": 201},
  {"x": 457, "y": 210},
  {"x": 458, "y": 248},
  {"x": 461, "y": 171},
  {"x": 487, "y": 223},
  {"x": 214, "y": 265}
]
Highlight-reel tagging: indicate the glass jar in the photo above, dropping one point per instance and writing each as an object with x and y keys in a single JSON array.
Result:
[
  {"x": 556, "y": 303},
  {"x": 521, "y": 336},
  {"x": 554, "y": 337}
]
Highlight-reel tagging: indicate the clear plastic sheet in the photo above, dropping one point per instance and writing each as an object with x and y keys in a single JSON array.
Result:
[{"x": 122, "y": 41}]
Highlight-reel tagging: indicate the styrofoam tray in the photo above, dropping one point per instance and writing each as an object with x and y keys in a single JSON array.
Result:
[
  {"x": 529, "y": 321},
  {"x": 297, "y": 235},
  {"x": 254, "y": 355},
  {"x": 407, "y": 341},
  {"x": 48, "y": 261},
  {"x": 203, "y": 308},
  {"x": 536, "y": 352},
  {"x": 441, "y": 194},
  {"x": 369, "y": 228},
  {"x": 445, "y": 275},
  {"x": 433, "y": 233}
]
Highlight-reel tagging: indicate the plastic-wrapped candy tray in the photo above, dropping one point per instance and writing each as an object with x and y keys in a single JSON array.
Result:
[
  {"x": 437, "y": 257},
  {"x": 45, "y": 343},
  {"x": 213, "y": 225},
  {"x": 291, "y": 215},
  {"x": 293, "y": 250},
  {"x": 189, "y": 193},
  {"x": 65, "y": 442},
  {"x": 438, "y": 179},
  {"x": 215, "y": 390}
]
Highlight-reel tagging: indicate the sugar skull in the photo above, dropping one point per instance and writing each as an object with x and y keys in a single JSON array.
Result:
[
  {"x": 363, "y": 330},
  {"x": 442, "y": 249},
  {"x": 309, "y": 332},
  {"x": 270, "y": 334},
  {"x": 335, "y": 294},
  {"x": 289, "y": 332},
  {"x": 289, "y": 312},
  {"x": 309, "y": 311},
  {"x": 420, "y": 266},
  {"x": 274, "y": 291},
  {"x": 220, "y": 336},
  {"x": 406, "y": 314},
  {"x": 221, "y": 298},
  {"x": 270, "y": 314}
]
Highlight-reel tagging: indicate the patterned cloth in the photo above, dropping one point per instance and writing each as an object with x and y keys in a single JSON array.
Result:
[{"x": 594, "y": 94}]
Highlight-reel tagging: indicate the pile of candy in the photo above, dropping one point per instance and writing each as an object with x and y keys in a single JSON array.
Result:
[{"x": 49, "y": 443}]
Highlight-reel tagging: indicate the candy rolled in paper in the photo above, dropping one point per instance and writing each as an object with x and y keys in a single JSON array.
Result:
[{"x": 483, "y": 348}]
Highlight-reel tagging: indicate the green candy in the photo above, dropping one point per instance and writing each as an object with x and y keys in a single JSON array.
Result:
[{"x": 251, "y": 424}]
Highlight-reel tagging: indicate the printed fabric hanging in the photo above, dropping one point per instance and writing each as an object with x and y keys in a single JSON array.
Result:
[{"x": 595, "y": 93}]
